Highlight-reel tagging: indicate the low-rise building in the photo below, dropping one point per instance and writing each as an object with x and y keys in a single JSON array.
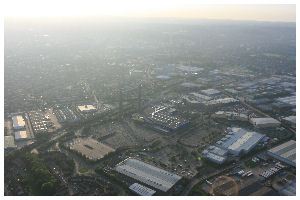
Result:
[
  {"x": 290, "y": 120},
  {"x": 141, "y": 190},
  {"x": 230, "y": 115},
  {"x": 21, "y": 135},
  {"x": 227, "y": 100},
  {"x": 264, "y": 122},
  {"x": 148, "y": 174},
  {"x": 285, "y": 152},
  {"x": 211, "y": 92},
  {"x": 87, "y": 108},
  {"x": 18, "y": 122},
  {"x": 237, "y": 142}
]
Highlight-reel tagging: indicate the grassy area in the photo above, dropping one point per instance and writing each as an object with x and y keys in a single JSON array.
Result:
[
  {"x": 83, "y": 170},
  {"x": 250, "y": 163},
  {"x": 197, "y": 191}
]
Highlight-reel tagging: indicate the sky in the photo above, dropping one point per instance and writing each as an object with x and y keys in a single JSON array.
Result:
[{"x": 150, "y": 8}]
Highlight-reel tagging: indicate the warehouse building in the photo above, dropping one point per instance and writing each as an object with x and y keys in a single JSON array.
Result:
[
  {"x": 237, "y": 142},
  {"x": 211, "y": 92},
  {"x": 87, "y": 108},
  {"x": 290, "y": 100},
  {"x": 148, "y": 174},
  {"x": 265, "y": 122},
  {"x": 290, "y": 120},
  {"x": 21, "y": 135},
  {"x": 285, "y": 152},
  {"x": 241, "y": 141},
  {"x": 18, "y": 122},
  {"x": 215, "y": 154},
  {"x": 230, "y": 115},
  {"x": 227, "y": 100},
  {"x": 141, "y": 190},
  {"x": 196, "y": 98}
]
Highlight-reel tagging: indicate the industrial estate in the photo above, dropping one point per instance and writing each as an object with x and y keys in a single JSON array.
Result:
[{"x": 184, "y": 114}]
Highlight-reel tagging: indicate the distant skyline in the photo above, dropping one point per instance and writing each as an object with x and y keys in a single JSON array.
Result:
[{"x": 151, "y": 9}]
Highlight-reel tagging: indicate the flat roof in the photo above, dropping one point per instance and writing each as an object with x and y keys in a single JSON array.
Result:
[
  {"x": 189, "y": 68},
  {"x": 291, "y": 100},
  {"x": 90, "y": 148},
  {"x": 210, "y": 91},
  {"x": 241, "y": 139},
  {"x": 141, "y": 190},
  {"x": 21, "y": 135},
  {"x": 290, "y": 119},
  {"x": 222, "y": 101},
  {"x": 18, "y": 121},
  {"x": 86, "y": 108},
  {"x": 285, "y": 151},
  {"x": 265, "y": 120},
  {"x": 9, "y": 142},
  {"x": 148, "y": 174},
  {"x": 200, "y": 96},
  {"x": 215, "y": 157}
]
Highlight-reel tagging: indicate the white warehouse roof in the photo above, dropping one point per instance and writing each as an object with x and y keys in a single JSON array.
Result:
[
  {"x": 291, "y": 119},
  {"x": 291, "y": 100},
  {"x": 141, "y": 190},
  {"x": 148, "y": 174},
  {"x": 86, "y": 108},
  {"x": 211, "y": 92},
  {"x": 285, "y": 152},
  {"x": 18, "y": 121},
  {"x": 21, "y": 135},
  {"x": 241, "y": 140},
  {"x": 264, "y": 121}
]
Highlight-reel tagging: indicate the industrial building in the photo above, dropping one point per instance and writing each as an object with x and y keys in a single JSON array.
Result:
[
  {"x": 221, "y": 101},
  {"x": 211, "y": 92},
  {"x": 238, "y": 141},
  {"x": 148, "y": 174},
  {"x": 18, "y": 122},
  {"x": 21, "y": 135},
  {"x": 86, "y": 108},
  {"x": 290, "y": 100},
  {"x": 285, "y": 152},
  {"x": 215, "y": 154},
  {"x": 290, "y": 120},
  {"x": 9, "y": 142},
  {"x": 141, "y": 190},
  {"x": 196, "y": 98},
  {"x": 90, "y": 148},
  {"x": 161, "y": 118},
  {"x": 230, "y": 115},
  {"x": 264, "y": 122}
]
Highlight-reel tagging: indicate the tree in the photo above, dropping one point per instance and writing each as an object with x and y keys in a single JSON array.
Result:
[{"x": 48, "y": 188}]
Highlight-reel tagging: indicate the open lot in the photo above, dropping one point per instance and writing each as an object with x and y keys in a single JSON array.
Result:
[{"x": 90, "y": 148}]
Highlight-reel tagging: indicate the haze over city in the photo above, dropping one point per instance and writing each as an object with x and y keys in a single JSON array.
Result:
[
  {"x": 151, "y": 9},
  {"x": 149, "y": 98}
]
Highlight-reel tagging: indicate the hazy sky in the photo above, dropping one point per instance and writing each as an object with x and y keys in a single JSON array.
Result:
[{"x": 150, "y": 8}]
